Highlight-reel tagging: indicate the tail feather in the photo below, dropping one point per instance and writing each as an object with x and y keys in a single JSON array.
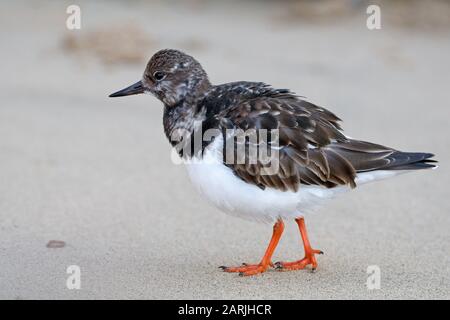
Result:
[
  {"x": 366, "y": 156},
  {"x": 411, "y": 161}
]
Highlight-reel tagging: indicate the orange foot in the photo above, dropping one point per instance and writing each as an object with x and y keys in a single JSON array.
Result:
[
  {"x": 300, "y": 264},
  {"x": 252, "y": 269},
  {"x": 247, "y": 269}
]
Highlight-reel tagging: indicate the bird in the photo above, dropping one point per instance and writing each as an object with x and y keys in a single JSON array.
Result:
[{"x": 220, "y": 131}]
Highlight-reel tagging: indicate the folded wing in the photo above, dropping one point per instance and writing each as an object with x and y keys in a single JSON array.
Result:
[{"x": 311, "y": 148}]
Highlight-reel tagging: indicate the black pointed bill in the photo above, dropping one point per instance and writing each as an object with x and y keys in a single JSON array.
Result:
[{"x": 136, "y": 88}]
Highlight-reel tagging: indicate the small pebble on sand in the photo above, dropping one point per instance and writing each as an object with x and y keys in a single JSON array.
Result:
[{"x": 56, "y": 244}]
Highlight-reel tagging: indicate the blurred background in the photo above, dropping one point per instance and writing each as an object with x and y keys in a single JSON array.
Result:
[{"x": 86, "y": 180}]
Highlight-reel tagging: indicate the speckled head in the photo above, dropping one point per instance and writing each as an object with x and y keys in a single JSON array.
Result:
[{"x": 172, "y": 76}]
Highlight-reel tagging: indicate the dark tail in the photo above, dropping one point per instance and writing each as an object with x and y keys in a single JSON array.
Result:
[
  {"x": 410, "y": 161},
  {"x": 365, "y": 156}
]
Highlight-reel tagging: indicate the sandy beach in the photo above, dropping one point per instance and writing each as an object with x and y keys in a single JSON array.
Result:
[{"x": 96, "y": 173}]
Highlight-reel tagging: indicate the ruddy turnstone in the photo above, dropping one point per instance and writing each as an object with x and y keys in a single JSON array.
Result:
[{"x": 310, "y": 159}]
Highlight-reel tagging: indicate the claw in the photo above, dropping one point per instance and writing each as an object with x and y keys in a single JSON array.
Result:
[{"x": 278, "y": 265}]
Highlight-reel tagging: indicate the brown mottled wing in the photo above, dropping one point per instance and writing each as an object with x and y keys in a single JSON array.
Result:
[
  {"x": 311, "y": 150},
  {"x": 306, "y": 133}
]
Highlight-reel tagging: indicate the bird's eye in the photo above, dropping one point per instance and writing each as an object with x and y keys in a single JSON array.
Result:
[{"x": 158, "y": 75}]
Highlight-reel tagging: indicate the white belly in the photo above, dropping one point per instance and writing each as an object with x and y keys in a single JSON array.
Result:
[{"x": 218, "y": 184}]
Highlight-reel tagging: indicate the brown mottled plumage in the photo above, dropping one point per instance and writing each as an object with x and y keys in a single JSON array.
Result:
[{"x": 313, "y": 150}]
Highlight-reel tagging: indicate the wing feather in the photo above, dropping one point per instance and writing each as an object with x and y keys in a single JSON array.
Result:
[{"x": 311, "y": 148}]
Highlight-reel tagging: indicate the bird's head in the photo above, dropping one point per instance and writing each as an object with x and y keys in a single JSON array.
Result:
[{"x": 171, "y": 76}]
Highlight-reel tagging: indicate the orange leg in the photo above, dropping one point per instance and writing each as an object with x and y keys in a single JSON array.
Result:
[
  {"x": 252, "y": 269},
  {"x": 310, "y": 253}
]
